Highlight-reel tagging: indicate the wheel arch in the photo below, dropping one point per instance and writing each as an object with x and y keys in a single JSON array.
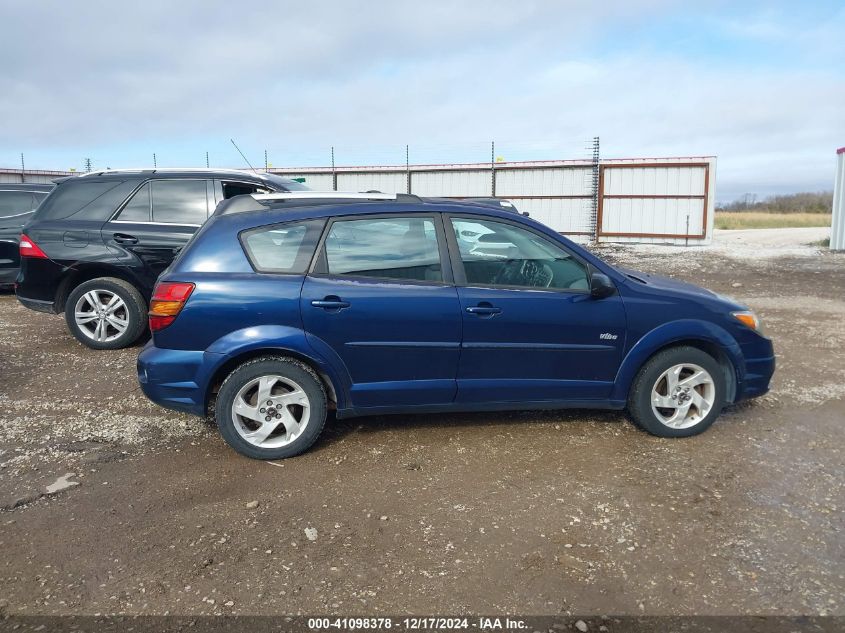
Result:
[
  {"x": 76, "y": 276},
  {"x": 705, "y": 336},
  {"x": 230, "y": 364}
]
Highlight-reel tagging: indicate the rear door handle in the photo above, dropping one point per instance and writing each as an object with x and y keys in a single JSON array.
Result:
[
  {"x": 330, "y": 304},
  {"x": 122, "y": 238},
  {"x": 484, "y": 310}
]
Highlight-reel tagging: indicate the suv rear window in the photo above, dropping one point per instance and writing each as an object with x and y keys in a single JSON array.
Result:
[{"x": 85, "y": 199}]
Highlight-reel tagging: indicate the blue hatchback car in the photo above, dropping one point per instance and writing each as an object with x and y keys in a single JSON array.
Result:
[{"x": 286, "y": 305}]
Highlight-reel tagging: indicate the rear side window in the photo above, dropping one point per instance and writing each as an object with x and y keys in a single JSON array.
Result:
[
  {"x": 232, "y": 189},
  {"x": 138, "y": 207},
  {"x": 283, "y": 248},
  {"x": 15, "y": 202},
  {"x": 391, "y": 248},
  {"x": 82, "y": 199},
  {"x": 179, "y": 201}
]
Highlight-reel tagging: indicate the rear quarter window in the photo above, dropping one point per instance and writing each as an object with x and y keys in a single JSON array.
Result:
[
  {"x": 85, "y": 200},
  {"x": 282, "y": 248},
  {"x": 15, "y": 203}
]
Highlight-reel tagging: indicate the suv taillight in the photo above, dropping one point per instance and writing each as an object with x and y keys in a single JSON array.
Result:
[
  {"x": 169, "y": 297},
  {"x": 28, "y": 248}
]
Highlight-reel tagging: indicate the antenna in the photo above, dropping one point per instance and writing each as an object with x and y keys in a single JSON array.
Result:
[{"x": 242, "y": 155}]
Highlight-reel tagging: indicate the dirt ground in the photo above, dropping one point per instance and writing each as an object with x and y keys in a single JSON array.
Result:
[{"x": 113, "y": 505}]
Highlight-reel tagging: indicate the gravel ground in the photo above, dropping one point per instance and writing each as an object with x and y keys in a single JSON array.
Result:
[{"x": 113, "y": 505}]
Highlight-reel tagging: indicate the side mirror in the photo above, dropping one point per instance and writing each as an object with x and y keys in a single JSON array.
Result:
[{"x": 601, "y": 286}]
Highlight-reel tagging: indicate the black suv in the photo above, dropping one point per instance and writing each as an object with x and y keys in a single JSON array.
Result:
[
  {"x": 17, "y": 204},
  {"x": 97, "y": 243}
]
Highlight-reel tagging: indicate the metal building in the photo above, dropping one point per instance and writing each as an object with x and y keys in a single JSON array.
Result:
[
  {"x": 663, "y": 200},
  {"x": 837, "y": 227}
]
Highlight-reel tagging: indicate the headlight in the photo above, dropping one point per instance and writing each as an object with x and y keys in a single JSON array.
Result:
[{"x": 747, "y": 318}]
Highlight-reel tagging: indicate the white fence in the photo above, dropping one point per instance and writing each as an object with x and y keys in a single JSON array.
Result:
[{"x": 665, "y": 200}]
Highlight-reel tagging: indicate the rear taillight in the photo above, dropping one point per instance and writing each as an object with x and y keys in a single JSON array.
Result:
[
  {"x": 28, "y": 248},
  {"x": 168, "y": 299}
]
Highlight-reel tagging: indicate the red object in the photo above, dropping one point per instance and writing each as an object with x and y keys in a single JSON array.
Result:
[
  {"x": 28, "y": 248},
  {"x": 841, "y": 150},
  {"x": 169, "y": 298}
]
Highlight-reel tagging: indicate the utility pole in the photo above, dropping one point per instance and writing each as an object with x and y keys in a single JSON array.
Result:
[
  {"x": 155, "y": 165},
  {"x": 206, "y": 160},
  {"x": 23, "y": 169},
  {"x": 87, "y": 164},
  {"x": 266, "y": 162}
]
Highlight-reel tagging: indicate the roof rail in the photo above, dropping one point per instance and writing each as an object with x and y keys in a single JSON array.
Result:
[
  {"x": 152, "y": 170},
  {"x": 324, "y": 195}
]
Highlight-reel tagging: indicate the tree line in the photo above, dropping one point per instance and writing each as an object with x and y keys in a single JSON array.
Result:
[{"x": 806, "y": 202}]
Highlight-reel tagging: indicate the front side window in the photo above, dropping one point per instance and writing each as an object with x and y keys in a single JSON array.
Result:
[
  {"x": 15, "y": 202},
  {"x": 179, "y": 201},
  {"x": 500, "y": 254},
  {"x": 388, "y": 248},
  {"x": 138, "y": 207},
  {"x": 283, "y": 248}
]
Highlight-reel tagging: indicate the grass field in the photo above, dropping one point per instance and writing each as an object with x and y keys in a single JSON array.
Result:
[{"x": 763, "y": 220}]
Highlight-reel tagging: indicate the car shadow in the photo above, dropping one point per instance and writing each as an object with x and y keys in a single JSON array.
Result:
[{"x": 336, "y": 430}]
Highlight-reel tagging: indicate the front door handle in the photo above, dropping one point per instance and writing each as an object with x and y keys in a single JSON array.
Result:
[
  {"x": 122, "y": 238},
  {"x": 330, "y": 303},
  {"x": 487, "y": 310}
]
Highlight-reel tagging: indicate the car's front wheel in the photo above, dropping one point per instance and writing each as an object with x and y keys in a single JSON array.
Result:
[
  {"x": 106, "y": 313},
  {"x": 271, "y": 408},
  {"x": 679, "y": 392}
]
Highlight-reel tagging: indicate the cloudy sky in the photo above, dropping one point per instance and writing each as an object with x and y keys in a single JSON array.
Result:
[{"x": 761, "y": 85}]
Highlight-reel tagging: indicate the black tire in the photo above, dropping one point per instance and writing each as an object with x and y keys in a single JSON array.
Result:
[
  {"x": 135, "y": 312},
  {"x": 639, "y": 398},
  {"x": 286, "y": 368}
]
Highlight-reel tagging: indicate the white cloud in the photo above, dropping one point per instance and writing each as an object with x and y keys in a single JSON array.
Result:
[{"x": 370, "y": 77}]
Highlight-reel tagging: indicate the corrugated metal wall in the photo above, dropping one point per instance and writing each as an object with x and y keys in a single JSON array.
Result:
[
  {"x": 837, "y": 228},
  {"x": 666, "y": 200},
  {"x": 652, "y": 200}
]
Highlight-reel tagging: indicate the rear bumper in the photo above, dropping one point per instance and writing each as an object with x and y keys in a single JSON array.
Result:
[
  {"x": 38, "y": 305},
  {"x": 175, "y": 379}
]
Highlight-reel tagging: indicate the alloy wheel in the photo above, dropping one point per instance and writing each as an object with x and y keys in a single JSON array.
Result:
[
  {"x": 683, "y": 395},
  {"x": 271, "y": 411},
  {"x": 101, "y": 315}
]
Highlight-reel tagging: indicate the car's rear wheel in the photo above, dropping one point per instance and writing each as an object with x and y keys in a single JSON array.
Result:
[
  {"x": 106, "y": 313},
  {"x": 271, "y": 408},
  {"x": 678, "y": 393}
]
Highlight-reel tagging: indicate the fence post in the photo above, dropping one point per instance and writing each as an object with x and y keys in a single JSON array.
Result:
[
  {"x": 334, "y": 173},
  {"x": 493, "y": 168},
  {"x": 597, "y": 185}
]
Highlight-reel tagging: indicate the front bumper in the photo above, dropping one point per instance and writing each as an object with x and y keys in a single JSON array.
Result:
[
  {"x": 759, "y": 368},
  {"x": 175, "y": 379}
]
